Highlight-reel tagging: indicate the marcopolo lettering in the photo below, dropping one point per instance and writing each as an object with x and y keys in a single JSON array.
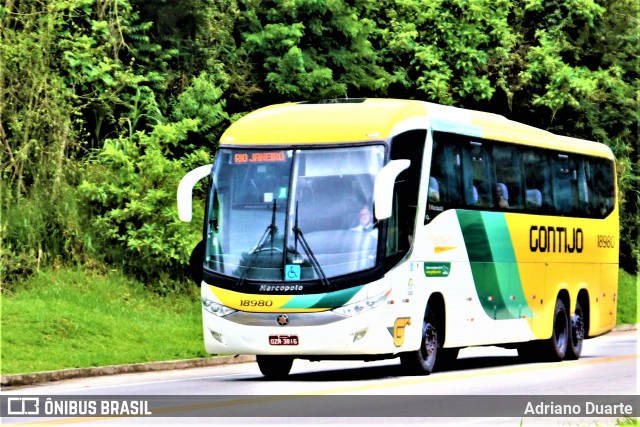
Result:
[{"x": 555, "y": 239}]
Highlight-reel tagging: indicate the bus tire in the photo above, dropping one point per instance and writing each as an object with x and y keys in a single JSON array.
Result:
[
  {"x": 576, "y": 335},
  {"x": 274, "y": 367},
  {"x": 555, "y": 348},
  {"x": 423, "y": 360}
]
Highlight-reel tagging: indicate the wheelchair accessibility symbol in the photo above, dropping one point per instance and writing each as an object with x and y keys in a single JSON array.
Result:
[{"x": 292, "y": 272}]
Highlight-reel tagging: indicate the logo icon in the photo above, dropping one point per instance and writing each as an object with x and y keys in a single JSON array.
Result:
[
  {"x": 283, "y": 320},
  {"x": 23, "y": 406},
  {"x": 292, "y": 272}
]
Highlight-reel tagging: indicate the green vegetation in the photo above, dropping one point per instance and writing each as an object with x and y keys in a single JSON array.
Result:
[
  {"x": 629, "y": 421},
  {"x": 76, "y": 319},
  {"x": 627, "y": 299},
  {"x": 104, "y": 104}
]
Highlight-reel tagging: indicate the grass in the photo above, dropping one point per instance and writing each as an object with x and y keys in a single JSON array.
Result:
[
  {"x": 75, "y": 319},
  {"x": 627, "y": 299},
  {"x": 72, "y": 319}
]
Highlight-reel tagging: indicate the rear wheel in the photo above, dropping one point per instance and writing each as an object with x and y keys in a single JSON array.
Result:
[
  {"x": 577, "y": 333},
  {"x": 555, "y": 348},
  {"x": 423, "y": 360},
  {"x": 274, "y": 367}
]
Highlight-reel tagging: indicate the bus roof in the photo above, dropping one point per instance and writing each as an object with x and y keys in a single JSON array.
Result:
[{"x": 357, "y": 120}]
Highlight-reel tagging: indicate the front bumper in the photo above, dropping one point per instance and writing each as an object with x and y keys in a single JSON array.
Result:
[{"x": 319, "y": 333}]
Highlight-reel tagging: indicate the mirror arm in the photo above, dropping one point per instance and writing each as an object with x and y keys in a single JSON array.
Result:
[
  {"x": 185, "y": 190},
  {"x": 383, "y": 187}
]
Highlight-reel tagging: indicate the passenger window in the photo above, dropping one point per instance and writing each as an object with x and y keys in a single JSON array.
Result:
[
  {"x": 477, "y": 175},
  {"x": 508, "y": 177},
  {"x": 602, "y": 181},
  {"x": 583, "y": 187},
  {"x": 537, "y": 188},
  {"x": 408, "y": 145},
  {"x": 445, "y": 178},
  {"x": 565, "y": 184}
]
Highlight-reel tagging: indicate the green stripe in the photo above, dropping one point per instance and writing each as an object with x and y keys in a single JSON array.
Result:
[
  {"x": 493, "y": 264},
  {"x": 326, "y": 300},
  {"x": 504, "y": 257},
  {"x": 338, "y": 298}
]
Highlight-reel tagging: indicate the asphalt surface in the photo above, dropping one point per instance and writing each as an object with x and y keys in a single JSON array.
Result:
[{"x": 14, "y": 380}]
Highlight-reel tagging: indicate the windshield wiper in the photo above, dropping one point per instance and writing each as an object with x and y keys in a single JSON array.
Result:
[
  {"x": 271, "y": 229},
  {"x": 298, "y": 235}
]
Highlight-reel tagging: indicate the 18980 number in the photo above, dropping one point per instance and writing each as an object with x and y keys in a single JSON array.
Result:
[
  {"x": 255, "y": 303},
  {"x": 606, "y": 241}
]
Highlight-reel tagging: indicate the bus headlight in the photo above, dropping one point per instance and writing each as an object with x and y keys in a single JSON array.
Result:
[
  {"x": 216, "y": 308},
  {"x": 361, "y": 306}
]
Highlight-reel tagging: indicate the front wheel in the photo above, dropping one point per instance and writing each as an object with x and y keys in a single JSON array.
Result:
[
  {"x": 423, "y": 360},
  {"x": 274, "y": 367}
]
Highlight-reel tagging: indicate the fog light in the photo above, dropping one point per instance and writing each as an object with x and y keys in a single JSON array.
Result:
[
  {"x": 217, "y": 336},
  {"x": 359, "y": 335}
]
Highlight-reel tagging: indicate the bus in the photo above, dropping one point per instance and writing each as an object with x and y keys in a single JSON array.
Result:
[{"x": 373, "y": 229}]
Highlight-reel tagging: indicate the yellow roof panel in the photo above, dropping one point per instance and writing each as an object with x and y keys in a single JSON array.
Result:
[
  {"x": 346, "y": 121},
  {"x": 322, "y": 123}
]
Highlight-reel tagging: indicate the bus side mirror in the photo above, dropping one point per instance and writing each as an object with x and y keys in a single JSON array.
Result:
[
  {"x": 383, "y": 187},
  {"x": 185, "y": 189}
]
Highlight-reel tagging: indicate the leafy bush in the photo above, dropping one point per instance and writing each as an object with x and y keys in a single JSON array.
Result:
[
  {"x": 131, "y": 193},
  {"x": 42, "y": 228}
]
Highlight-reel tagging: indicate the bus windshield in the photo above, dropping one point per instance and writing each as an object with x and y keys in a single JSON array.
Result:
[{"x": 292, "y": 215}]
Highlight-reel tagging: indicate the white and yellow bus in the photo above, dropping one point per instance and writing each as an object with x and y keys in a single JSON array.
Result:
[{"x": 372, "y": 229}]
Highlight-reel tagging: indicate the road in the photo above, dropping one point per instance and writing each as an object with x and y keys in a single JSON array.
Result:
[{"x": 487, "y": 386}]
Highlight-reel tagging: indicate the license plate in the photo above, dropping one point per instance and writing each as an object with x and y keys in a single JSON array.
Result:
[{"x": 283, "y": 340}]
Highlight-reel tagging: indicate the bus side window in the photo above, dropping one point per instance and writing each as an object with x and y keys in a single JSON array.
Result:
[
  {"x": 565, "y": 186},
  {"x": 408, "y": 145},
  {"x": 445, "y": 178},
  {"x": 536, "y": 181},
  {"x": 603, "y": 183},
  {"x": 583, "y": 187},
  {"x": 508, "y": 177},
  {"x": 477, "y": 176},
  {"x": 436, "y": 178}
]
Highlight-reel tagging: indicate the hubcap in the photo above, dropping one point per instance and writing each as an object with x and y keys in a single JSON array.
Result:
[{"x": 431, "y": 341}]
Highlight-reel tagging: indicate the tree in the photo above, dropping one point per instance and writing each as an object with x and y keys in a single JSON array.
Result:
[
  {"x": 305, "y": 49},
  {"x": 446, "y": 51},
  {"x": 577, "y": 75}
]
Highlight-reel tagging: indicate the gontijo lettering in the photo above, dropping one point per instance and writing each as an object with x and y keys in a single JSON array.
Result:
[{"x": 555, "y": 239}]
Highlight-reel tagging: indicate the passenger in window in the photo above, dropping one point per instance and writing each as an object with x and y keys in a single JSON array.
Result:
[
  {"x": 503, "y": 195},
  {"x": 471, "y": 196},
  {"x": 605, "y": 206},
  {"x": 534, "y": 198},
  {"x": 434, "y": 190}
]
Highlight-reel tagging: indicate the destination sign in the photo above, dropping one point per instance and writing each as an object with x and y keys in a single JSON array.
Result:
[{"x": 259, "y": 157}]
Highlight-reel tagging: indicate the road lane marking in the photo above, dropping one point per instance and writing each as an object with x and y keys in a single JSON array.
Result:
[{"x": 445, "y": 376}]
